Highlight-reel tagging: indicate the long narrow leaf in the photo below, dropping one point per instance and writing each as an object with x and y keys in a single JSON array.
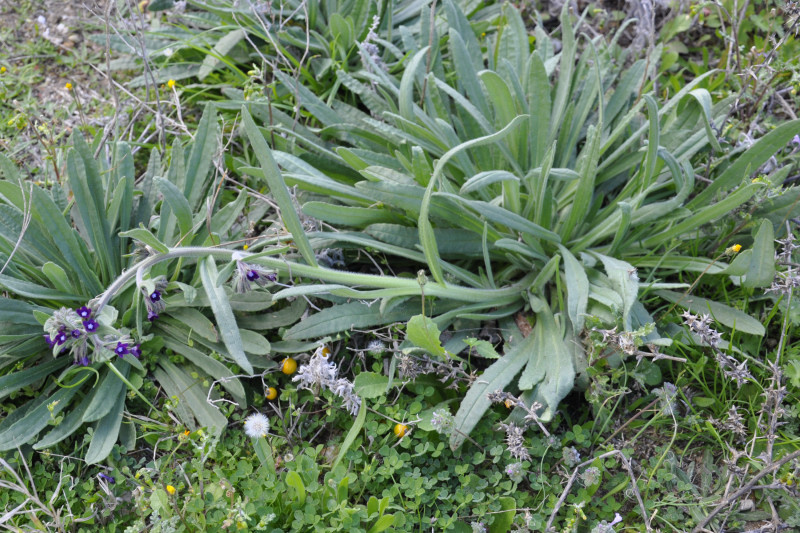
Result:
[
  {"x": 278, "y": 188},
  {"x": 494, "y": 378},
  {"x": 221, "y": 308}
]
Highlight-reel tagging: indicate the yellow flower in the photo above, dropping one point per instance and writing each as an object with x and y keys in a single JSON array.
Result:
[
  {"x": 400, "y": 430},
  {"x": 272, "y": 393},
  {"x": 289, "y": 366},
  {"x": 2, "y": 70},
  {"x": 245, "y": 247},
  {"x": 171, "y": 84},
  {"x": 68, "y": 86},
  {"x": 735, "y": 249},
  {"x": 171, "y": 489}
]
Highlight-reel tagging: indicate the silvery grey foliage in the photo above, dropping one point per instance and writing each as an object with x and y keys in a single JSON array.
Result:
[
  {"x": 787, "y": 280},
  {"x": 731, "y": 368},
  {"x": 321, "y": 372},
  {"x": 515, "y": 441},
  {"x": 590, "y": 476},
  {"x": 571, "y": 456},
  {"x": 514, "y": 471},
  {"x": 666, "y": 396},
  {"x": 370, "y": 49},
  {"x": 607, "y": 527},
  {"x": 442, "y": 421}
]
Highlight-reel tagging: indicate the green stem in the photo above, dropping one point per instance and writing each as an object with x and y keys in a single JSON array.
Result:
[
  {"x": 407, "y": 286},
  {"x": 129, "y": 384}
]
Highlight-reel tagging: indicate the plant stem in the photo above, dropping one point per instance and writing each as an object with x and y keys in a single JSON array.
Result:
[{"x": 407, "y": 286}]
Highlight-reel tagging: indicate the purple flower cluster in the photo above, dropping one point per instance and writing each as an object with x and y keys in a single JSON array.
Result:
[
  {"x": 246, "y": 274},
  {"x": 71, "y": 330},
  {"x": 154, "y": 300}
]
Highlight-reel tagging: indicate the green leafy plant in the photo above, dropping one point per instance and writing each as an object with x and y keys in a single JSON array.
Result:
[
  {"x": 518, "y": 190},
  {"x": 72, "y": 258}
]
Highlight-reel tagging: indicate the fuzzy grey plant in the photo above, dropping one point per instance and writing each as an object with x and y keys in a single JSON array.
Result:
[
  {"x": 590, "y": 476},
  {"x": 478, "y": 527},
  {"x": 411, "y": 366},
  {"x": 514, "y": 471},
  {"x": 510, "y": 401},
  {"x": 571, "y": 456},
  {"x": 515, "y": 441},
  {"x": 666, "y": 396},
  {"x": 442, "y": 421},
  {"x": 787, "y": 280},
  {"x": 607, "y": 527},
  {"x": 733, "y": 423},
  {"x": 321, "y": 373},
  {"x": 369, "y": 49},
  {"x": 731, "y": 368}
]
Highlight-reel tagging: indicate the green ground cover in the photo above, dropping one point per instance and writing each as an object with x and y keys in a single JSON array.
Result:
[{"x": 376, "y": 266}]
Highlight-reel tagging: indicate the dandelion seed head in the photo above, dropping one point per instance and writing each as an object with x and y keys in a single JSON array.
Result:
[{"x": 256, "y": 425}]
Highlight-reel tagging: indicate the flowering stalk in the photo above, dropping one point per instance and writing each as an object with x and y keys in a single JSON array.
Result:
[{"x": 391, "y": 286}]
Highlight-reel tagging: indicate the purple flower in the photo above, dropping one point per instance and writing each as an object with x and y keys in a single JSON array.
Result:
[
  {"x": 107, "y": 479},
  {"x": 121, "y": 349},
  {"x": 84, "y": 312},
  {"x": 50, "y": 342},
  {"x": 156, "y": 296},
  {"x": 136, "y": 350},
  {"x": 796, "y": 139},
  {"x": 151, "y": 316},
  {"x": 76, "y": 333},
  {"x": 252, "y": 275},
  {"x": 90, "y": 325},
  {"x": 84, "y": 361},
  {"x": 271, "y": 276},
  {"x": 60, "y": 338}
]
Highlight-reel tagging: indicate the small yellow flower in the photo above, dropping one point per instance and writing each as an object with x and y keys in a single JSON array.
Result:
[
  {"x": 171, "y": 489},
  {"x": 400, "y": 430},
  {"x": 68, "y": 86},
  {"x": 289, "y": 366},
  {"x": 3, "y": 70},
  {"x": 171, "y": 84},
  {"x": 272, "y": 393},
  {"x": 732, "y": 250},
  {"x": 245, "y": 247},
  {"x": 326, "y": 352},
  {"x": 509, "y": 404}
]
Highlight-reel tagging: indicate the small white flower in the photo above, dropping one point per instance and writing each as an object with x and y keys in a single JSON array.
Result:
[
  {"x": 168, "y": 52},
  {"x": 256, "y": 425},
  {"x": 376, "y": 347}
]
